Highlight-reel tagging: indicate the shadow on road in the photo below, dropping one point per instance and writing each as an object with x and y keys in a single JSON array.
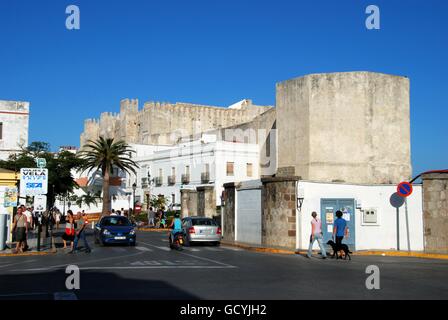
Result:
[{"x": 94, "y": 285}]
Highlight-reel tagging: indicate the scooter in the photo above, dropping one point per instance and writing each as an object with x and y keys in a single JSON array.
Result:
[{"x": 178, "y": 241}]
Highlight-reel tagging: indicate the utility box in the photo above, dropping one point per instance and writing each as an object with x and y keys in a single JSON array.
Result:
[{"x": 370, "y": 216}]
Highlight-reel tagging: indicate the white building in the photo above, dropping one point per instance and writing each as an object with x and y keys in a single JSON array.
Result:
[
  {"x": 165, "y": 170},
  {"x": 14, "y": 121}
]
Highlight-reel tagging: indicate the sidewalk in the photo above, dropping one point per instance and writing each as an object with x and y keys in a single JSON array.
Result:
[
  {"x": 45, "y": 248},
  {"x": 413, "y": 254}
]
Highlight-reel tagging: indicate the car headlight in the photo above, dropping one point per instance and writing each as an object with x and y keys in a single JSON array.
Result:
[
  {"x": 132, "y": 232},
  {"x": 106, "y": 232}
]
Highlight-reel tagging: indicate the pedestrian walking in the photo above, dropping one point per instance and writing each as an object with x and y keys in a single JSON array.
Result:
[
  {"x": 81, "y": 233},
  {"x": 340, "y": 229},
  {"x": 58, "y": 218},
  {"x": 69, "y": 234},
  {"x": 151, "y": 216},
  {"x": 20, "y": 229},
  {"x": 316, "y": 235},
  {"x": 29, "y": 221}
]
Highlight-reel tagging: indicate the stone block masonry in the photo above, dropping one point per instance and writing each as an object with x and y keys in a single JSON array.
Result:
[{"x": 435, "y": 212}]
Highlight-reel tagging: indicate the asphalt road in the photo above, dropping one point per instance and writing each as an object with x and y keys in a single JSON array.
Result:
[{"x": 152, "y": 271}]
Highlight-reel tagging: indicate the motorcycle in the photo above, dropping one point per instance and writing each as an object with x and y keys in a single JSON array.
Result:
[{"x": 177, "y": 242}]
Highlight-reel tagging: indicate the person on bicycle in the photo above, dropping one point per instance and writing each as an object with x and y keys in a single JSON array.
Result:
[{"x": 176, "y": 226}]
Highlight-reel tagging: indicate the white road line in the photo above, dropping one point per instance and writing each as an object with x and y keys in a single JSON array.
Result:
[
  {"x": 192, "y": 249},
  {"x": 160, "y": 267},
  {"x": 67, "y": 295},
  {"x": 190, "y": 255},
  {"x": 161, "y": 248},
  {"x": 212, "y": 249},
  {"x": 12, "y": 264},
  {"x": 143, "y": 249},
  {"x": 78, "y": 263}
]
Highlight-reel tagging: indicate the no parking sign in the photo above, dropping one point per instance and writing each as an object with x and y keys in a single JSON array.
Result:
[{"x": 404, "y": 189}]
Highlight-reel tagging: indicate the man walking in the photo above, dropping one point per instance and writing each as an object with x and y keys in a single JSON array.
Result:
[
  {"x": 81, "y": 233},
  {"x": 316, "y": 234},
  {"x": 340, "y": 229}
]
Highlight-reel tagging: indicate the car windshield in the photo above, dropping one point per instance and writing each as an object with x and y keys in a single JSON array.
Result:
[
  {"x": 203, "y": 222},
  {"x": 116, "y": 222}
]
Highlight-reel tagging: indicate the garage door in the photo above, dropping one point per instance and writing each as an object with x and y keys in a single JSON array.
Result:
[{"x": 248, "y": 216}]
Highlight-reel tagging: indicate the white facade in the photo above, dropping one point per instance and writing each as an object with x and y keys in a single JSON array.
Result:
[
  {"x": 14, "y": 121},
  {"x": 193, "y": 159},
  {"x": 368, "y": 236}
]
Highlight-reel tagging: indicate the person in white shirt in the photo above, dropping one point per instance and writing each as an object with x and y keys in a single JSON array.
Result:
[{"x": 316, "y": 234}]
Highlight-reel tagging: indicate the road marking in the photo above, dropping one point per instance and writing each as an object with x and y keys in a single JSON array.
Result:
[
  {"x": 161, "y": 248},
  {"x": 212, "y": 249},
  {"x": 143, "y": 249},
  {"x": 193, "y": 256},
  {"x": 67, "y": 295},
  {"x": 78, "y": 263},
  {"x": 160, "y": 267},
  {"x": 192, "y": 249},
  {"x": 12, "y": 264}
]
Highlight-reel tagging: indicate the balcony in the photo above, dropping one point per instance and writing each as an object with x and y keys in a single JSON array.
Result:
[
  {"x": 171, "y": 180},
  {"x": 159, "y": 181},
  {"x": 185, "y": 179},
  {"x": 205, "y": 177}
]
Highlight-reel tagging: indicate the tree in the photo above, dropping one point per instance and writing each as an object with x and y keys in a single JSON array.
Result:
[
  {"x": 104, "y": 155},
  {"x": 60, "y": 179},
  {"x": 158, "y": 202}
]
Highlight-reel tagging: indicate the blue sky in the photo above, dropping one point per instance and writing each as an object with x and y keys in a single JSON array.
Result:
[{"x": 215, "y": 52}]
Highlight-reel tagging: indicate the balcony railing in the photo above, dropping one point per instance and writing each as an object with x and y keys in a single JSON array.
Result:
[
  {"x": 159, "y": 181},
  {"x": 171, "y": 180},
  {"x": 205, "y": 177},
  {"x": 144, "y": 182},
  {"x": 185, "y": 179}
]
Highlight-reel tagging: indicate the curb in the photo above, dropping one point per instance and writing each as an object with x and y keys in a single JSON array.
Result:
[
  {"x": 259, "y": 249},
  {"x": 356, "y": 253},
  {"x": 26, "y": 254}
]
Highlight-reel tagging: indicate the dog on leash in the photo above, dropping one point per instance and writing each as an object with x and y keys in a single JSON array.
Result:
[{"x": 342, "y": 247}]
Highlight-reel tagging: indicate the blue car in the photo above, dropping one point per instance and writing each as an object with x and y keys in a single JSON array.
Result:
[{"x": 115, "y": 229}]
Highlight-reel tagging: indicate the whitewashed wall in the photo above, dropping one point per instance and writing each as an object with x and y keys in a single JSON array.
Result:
[{"x": 368, "y": 237}]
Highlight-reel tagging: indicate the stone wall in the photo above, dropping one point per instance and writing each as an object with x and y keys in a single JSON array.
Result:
[
  {"x": 163, "y": 123},
  {"x": 279, "y": 207},
  {"x": 206, "y": 201},
  {"x": 228, "y": 227},
  {"x": 189, "y": 202},
  {"x": 352, "y": 127},
  {"x": 435, "y": 212}
]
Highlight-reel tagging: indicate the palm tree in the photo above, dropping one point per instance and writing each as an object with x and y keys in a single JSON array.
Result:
[{"x": 104, "y": 155}]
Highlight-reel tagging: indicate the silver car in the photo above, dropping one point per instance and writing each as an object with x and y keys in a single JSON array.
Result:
[{"x": 201, "y": 229}]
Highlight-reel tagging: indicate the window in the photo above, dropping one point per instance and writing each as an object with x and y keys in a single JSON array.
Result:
[
  {"x": 187, "y": 170},
  {"x": 173, "y": 171},
  {"x": 230, "y": 166},
  {"x": 249, "y": 169},
  {"x": 160, "y": 173},
  {"x": 268, "y": 145},
  {"x": 173, "y": 198},
  {"x": 1, "y": 130}
]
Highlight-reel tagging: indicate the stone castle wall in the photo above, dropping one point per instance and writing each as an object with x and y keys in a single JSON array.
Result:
[{"x": 164, "y": 123}]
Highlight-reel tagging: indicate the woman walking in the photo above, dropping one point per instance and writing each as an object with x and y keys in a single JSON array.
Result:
[{"x": 69, "y": 234}]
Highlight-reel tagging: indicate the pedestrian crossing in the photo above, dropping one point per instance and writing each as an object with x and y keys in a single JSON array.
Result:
[{"x": 190, "y": 249}]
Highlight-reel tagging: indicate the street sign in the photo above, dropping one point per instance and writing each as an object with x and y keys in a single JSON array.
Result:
[
  {"x": 41, "y": 163},
  {"x": 404, "y": 189},
  {"x": 40, "y": 203},
  {"x": 33, "y": 181}
]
